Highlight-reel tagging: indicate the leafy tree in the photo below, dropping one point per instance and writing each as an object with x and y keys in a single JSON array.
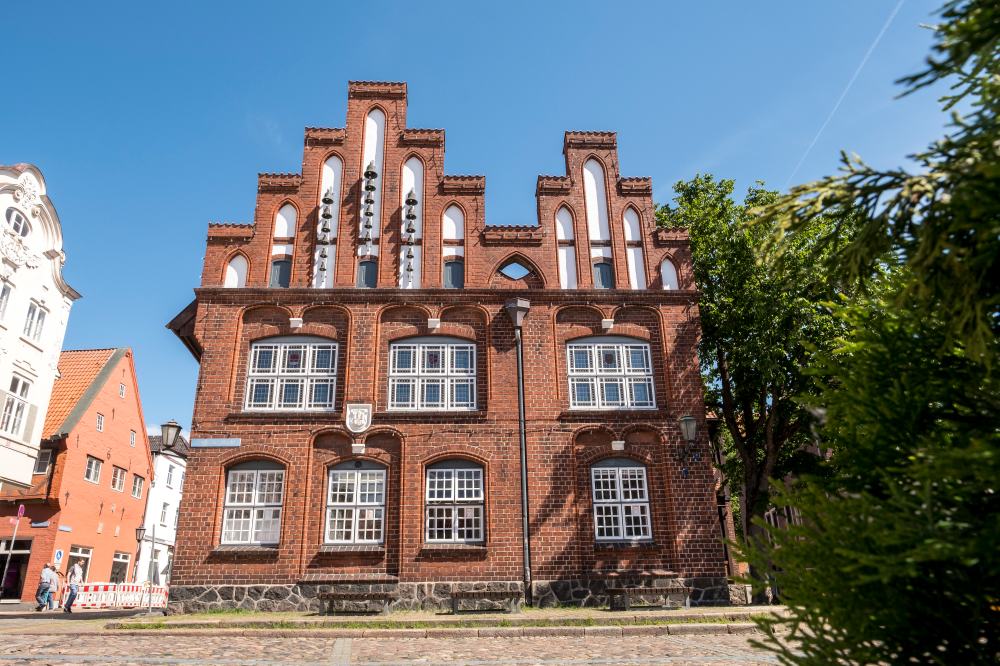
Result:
[
  {"x": 897, "y": 558},
  {"x": 758, "y": 333}
]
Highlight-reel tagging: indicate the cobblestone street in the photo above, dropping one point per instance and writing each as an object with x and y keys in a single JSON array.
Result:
[{"x": 89, "y": 648}]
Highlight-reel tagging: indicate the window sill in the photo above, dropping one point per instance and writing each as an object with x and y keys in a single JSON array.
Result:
[
  {"x": 457, "y": 416},
  {"x": 283, "y": 415},
  {"x": 598, "y": 414},
  {"x": 453, "y": 548},
  {"x": 247, "y": 549},
  {"x": 624, "y": 545},
  {"x": 32, "y": 343},
  {"x": 334, "y": 548}
]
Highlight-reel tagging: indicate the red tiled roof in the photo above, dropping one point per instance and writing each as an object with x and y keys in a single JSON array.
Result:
[{"x": 77, "y": 371}]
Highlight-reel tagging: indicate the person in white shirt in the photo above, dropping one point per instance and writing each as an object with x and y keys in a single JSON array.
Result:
[{"x": 74, "y": 579}]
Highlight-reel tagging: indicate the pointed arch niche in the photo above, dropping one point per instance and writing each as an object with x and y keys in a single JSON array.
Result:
[
  {"x": 566, "y": 248},
  {"x": 453, "y": 247},
  {"x": 633, "y": 249},
  {"x": 328, "y": 222},
  {"x": 236, "y": 272},
  {"x": 668, "y": 274},
  {"x": 412, "y": 255}
]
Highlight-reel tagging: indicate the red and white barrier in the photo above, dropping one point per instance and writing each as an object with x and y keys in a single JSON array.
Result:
[{"x": 120, "y": 595}]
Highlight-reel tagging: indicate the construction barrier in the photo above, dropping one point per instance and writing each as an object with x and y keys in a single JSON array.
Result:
[{"x": 120, "y": 595}]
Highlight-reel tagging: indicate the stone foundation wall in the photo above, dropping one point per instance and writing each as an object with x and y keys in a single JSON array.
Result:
[
  {"x": 423, "y": 596},
  {"x": 592, "y": 592},
  {"x": 303, "y": 597}
]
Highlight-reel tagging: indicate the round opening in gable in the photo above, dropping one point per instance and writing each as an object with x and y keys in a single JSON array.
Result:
[{"x": 515, "y": 270}]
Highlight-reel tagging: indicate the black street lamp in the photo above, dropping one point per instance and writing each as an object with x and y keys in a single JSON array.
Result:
[{"x": 517, "y": 310}]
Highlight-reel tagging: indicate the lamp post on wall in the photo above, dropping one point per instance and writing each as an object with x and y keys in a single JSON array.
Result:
[
  {"x": 517, "y": 310},
  {"x": 169, "y": 432},
  {"x": 689, "y": 429}
]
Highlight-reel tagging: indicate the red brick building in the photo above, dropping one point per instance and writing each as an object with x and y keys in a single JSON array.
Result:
[
  {"x": 90, "y": 481},
  {"x": 371, "y": 279}
]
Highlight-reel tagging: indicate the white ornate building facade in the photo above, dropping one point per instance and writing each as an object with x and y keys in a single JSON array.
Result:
[{"x": 34, "y": 308}]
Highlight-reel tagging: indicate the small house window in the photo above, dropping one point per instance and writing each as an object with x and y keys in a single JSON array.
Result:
[
  {"x": 15, "y": 406},
  {"x": 432, "y": 374},
  {"x": 281, "y": 273},
  {"x": 368, "y": 274},
  {"x": 93, "y": 471},
  {"x": 454, "y": 274},
  {"x": 252, "y": 511},
  {"x": 131, "y": 438},
  {"x": 117, "y": 478},
  {"x": 100, "y": 423},
  {"x": 137, "y": 482},
  {"x": 604, "y": 275},
  {"x": 355, "y": 504},
  {"x": 121, "y": 390},
  {"x": 18, "y": 223},
  {"x": 621, "y": 501},
  {"x": 34, "y": 322},
  {"x": 42, "y": 461},
  {"x": 455, "y": 500},
  {"x": 610, "y": 373},
  {"x": 5, "y": 290}
]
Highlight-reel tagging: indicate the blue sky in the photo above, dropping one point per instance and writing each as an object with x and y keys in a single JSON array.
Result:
[{"x": 150, "y": 120}]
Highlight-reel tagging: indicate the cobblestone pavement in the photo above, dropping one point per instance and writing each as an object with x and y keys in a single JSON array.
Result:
[{"x": 62, "y": 649}]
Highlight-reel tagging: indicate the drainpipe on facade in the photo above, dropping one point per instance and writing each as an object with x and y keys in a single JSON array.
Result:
[{"x": 517, "y": 309}]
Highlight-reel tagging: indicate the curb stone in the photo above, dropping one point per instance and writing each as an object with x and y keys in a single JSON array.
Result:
[
  {"x": 687, "y": 629},
  {"x": 445, "y": 632},
  {"x": 646, "y": 630},
  {"x": 602, "y": 631}
]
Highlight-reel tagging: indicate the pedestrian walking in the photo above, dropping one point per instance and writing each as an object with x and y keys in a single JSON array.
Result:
[
  {"x": 74, "y": 579},
  {"x": 44, "y": 585},
  {"x": 55, "y": 589}
]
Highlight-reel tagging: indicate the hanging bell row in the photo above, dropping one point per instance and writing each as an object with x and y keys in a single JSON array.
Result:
[
  {"x": 328, "y": 197},
  {"x": 409, "y": 253},
  {"x": 370, "y": 172},
  {"x": 369, "y": 211},
  {"x": 411, "y": 198},
  {"x": 411, "y": 213},
  {"x": 322, "y": 268},
  {"x": 409, "y": 267},
  {"x": 326, "y": 227},
  {"x": 369, "y": 198},
  {"x": 327, "y": 212},
  {"x": 408, "y": 239},
  {"x": 323, "y": 253}
]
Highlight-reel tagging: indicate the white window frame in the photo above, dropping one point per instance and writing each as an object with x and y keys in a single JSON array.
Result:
[
  {"x": 422, "y": 375},
  {"x": 15, "y": 406},
  {"x": 43, "y": 455},
  {"x": 170, "y": 476},
  {"x": 137, "y": 484},
  {"x": 34, "y": 322},
  {"x": 280, "y": 375},
  {"x": 619, "y": 489},
  {"x": 599, "y": 378},
  {"x": 93, "y": 471},
  {"x": 121, "y": 390},
  {"x": 100, "y": 422},
  {"x": 249, "y": 504},
  {"x": 20, "y": 227},
  {"x": 6, "y": 289},
  {"x": 77, "y": 553},
  {"x": 355, "y": 496},
  {"x": 454, "y": 492},
  {"x": 164, "y": 510},
  {"x": 131, "y": 438},
  {"x": 118, "y": 480}
]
